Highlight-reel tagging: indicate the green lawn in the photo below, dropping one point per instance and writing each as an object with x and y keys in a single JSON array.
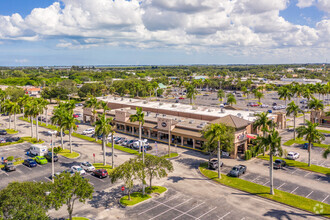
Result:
[
  {"x": 324, "y": 131},
  {"x": 172, "y": 155},
  {"x": 78, "y": 218},
  {"x": 66, "y": 153},
  {"x": 301, "y": 141},
  {"x": 23, "y": 139},
  {"x": 100, "y": 166},
  {"x": 137, "y": 197},
  {"x": 263, "y": 191},
  {"x": 301, "y": 165},
  {"x": 11, "y": 131}
]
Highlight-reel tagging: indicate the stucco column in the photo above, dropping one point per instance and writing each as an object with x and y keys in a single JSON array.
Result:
[
  {"x": 149, "y": 134},
  {"x": 125, "y": 128},
  {"x": 194, "y": 143},
  {"x": 132, "y": 130},
  {"x": 181, "y": 141}
]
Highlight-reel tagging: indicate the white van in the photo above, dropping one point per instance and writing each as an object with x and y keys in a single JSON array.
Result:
[{"x": 38, "y": 150}]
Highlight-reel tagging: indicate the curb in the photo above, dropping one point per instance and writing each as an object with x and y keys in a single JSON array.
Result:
[{"x": 273, "y": 201}]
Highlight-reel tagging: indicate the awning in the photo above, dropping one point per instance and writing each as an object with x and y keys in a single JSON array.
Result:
[{"x": 251, "y": 136}]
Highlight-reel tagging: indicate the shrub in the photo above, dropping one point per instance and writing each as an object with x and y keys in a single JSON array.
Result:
[
  {"x": 10, "y": 158},
  {"x": 248, "y": 155}
]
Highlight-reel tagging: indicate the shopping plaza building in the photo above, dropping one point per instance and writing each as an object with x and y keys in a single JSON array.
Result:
[{"x": 182, "y": 123}]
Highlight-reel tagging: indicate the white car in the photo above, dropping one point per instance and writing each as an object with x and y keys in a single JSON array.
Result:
[
  {"x": 276, "y": 107},
  {"x": 52, "y": 132},
  {"x": 89, "y": 131},
  {"x": 78, "y": 169},
  {"x": 293, "y": 155},
  {"x": 264, "y": 106},
  {"x": 87, "y": 166}
]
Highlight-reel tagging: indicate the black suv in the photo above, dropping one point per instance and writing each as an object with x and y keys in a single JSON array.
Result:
[
  {"x": 48, "y": 156},
  {"x": 213, "y": 164},
  {"x": 3, "y": 132},
  {"x": 278, "y": 164}
]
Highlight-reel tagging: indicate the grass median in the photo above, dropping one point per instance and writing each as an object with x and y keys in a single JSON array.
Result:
[
  {"x": 301, "y": 141},
  {"x": 137, "y": 197},
  {"x": 263, "y": 191},
  {"x": 101, "y": 166},
  {"x": 23, "y": 139},
  {"x": 11, "y": 131},
  {"x": 301, "y": 165},
  {"x": 66, "y": 153},
  {"x": 171, "y": 155}
]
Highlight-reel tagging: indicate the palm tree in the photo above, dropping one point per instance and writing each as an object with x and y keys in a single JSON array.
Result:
[
  {"x": 191, "y": 92},
  {"x": 28, "y": 108},
  {"x": 8, "y": 107},
  {"x": 58, "y": 119},
  {"x": 259, "y": 95},
  {"x": 231, "y": 99},
  {"x": 273, "y": 141},
  {"x": 22, "y": 101},
  {"x": 318, "y": 89},
  {"x": 44, "y": 105},
  {"x": 69, "y": 123},
  {"x": 213, "y": 134},
  {"x": 103, "y": 128},
  {"x": 262, "y": 122},
  {"x": 15, "y": 109},
  {"x": 293, "y": 109},
  {"x": 326, "y": 152},
  {"x": 93, "y": 104},
  {"x": 139, "y": 116},
  {"x": 315, "y": 104},
  {"x": 221, "y": 94},
  {"x": 284, "y": 93},
  {"x": 38, "y": 109},
  {"x": 311, "y": 134}
]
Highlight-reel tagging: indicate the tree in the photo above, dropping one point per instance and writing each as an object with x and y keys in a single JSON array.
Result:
[
  {"x": 157, "y": 167},
  {"x": 38, "y": 108},
  {"x": 262, "y": 122},
  {"x": 191, "y": 92},
  {"x": 93, "y": 104},
  {"x": 14, "y": 93},
  {"x": 294, "y": 110},
  {"x": 68, "y": 189},
  {"x": 58, "y": 119},
  {"x": 127, "y": 173},
  {"x": 103, "y": 128},
  {"x": 273, "y": 141},
  {"x": 311, "y": 134},
  {"x": 29, "y": 113},
  {"x": 284, "y": 93},
  {"x": 213, "y": 134},
  {"x": 69, "y": 123},
  {"x": 22, "y": 101},
  {"x": 259, "y": 95},
  {"x": 15, "y": 109},
  {"x": 231, "y": 99},
  {"x": 8, "y": 107},
  {"x": 315, "y": 104},
  {"x": 139, "y": 117},
  {"x": 221, "y": 94},
  {"x": 25, "y": 200},
  {"x": 326, "y": 152}
]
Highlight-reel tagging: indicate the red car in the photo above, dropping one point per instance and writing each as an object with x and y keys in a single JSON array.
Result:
[
  {"x": 75, "y": 115},
  {"x": 101, "y": 173},
  {"x": 181, "y": 98}
]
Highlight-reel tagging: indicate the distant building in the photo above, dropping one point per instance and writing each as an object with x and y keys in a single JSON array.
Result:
[{"x": 32, "y": 91}]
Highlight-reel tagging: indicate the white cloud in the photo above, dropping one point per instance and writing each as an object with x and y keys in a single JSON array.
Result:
[
  {"x": 232, "y": 26},
  {"x": 323, "y": 5},
  {"x": 21, "y": 61}
]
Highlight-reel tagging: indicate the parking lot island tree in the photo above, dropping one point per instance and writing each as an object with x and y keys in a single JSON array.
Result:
[
  {"x": 67, "y": 189},
  {"x": 315, "y": 104},
  {"x": 69, "y": 123},
  {"x": 94, "y": 104},
  {"x": 103, "y": 128},
  {"x": 157, "y": 167},
  {"x": 326, "y": 153},
  {"x": 16, "y": 109},
  {"x": 127, "y": 173},
  {"x": 264, "y": 123},
  {"x": 231, "y": 99},
  {"x": 213, "y": 134},
  {"x": 8, "y": 107},
  {"x": 273, "y": 140},
  {"x": 284, "y": 93},
  {"x": 29, "y": 113},
  {"x": 191, "y": 92},
  {"x": 58, "y": 119},
  {"x": 311, "y": 135},
  {"x": 294, "y": 110},
  {"x": 221, "y": 94},
  {"x": 22, "y": 101}
]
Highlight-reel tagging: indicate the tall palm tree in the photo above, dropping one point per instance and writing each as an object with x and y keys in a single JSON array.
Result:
[
  {"x": 294, "y": 110},
  {"x": 103, "y": 128},
  {"x": 8, "y": 107},
  {"x": 44, "y": 105},
  {"x": 94, "y": 104},
  {"x": 213, "y": 133},
  {"x": 191, "y": 92},
  {"x": 231, "y": 99},
  {"x": 15, "y": 109},
  {"x": 262, "y": 122},
  {"x": 318, "y": 89},
  {"x": 58, "y": 119},
  {"x": 311, "y": 134},
  {"x": 326, "y": 152},
  {"x": 38, "y": 109},
  {"x": 69, "y": 123},
  {"x": 273, "y": 141},
  {"x": 284, "y": 93},
  {"x": 315, "y": 104},
  {"x": 221, "y": 94},
  {"x": 22, "y": 101},
  {"x": 139, "y": 116},
  {"x": 28, "y": 108}
]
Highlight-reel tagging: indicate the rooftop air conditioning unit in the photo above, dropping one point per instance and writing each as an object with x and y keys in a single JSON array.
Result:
[
  {"x": 161, "y": 103},
  {"x": 194, "y": 108},
  {"x": 122, "y": 99},
  {"x": 115, "y": 98},
  {"x": 239, "y": 115},
  {"x": 191, "y": 121},
  {"x": 210, "y": 110},
  {"x": 145, "y": 102},
  {"x": 222, "y": 110},
  {"x": 174, "y": 105}
]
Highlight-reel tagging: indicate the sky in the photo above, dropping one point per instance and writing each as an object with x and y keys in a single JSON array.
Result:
[{"x": 163, "y": 32}]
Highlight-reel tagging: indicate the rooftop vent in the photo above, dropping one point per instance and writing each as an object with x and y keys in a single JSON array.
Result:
[
  {"x": 122, "y": 99},
  {"x": 239, "y": 115},
  {"x": 222, "y": 110},
  {"x": 161, "y": 103},
  {"x": 174, "y": 105},
  {"x": 194, "y": 108},
  {"x": 210, "y": 110},
  {"x": 145, "y": 102},
  {"x": 164, "y": 115},
  {"x": 130, "y": 100},
  {"x": 191, "y": 121},
  {"x": 115, "y": 98}
]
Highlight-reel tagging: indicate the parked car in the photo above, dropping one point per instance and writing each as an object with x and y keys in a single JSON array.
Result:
[
  {"x": 181, "y": 98},
  {"x": 58, "y": 134},
  {"x": 2, "y": 140},
  {"x": 75, "y": 116},
  {"x": 127, "y": 143},
  {"x": 264, "y": 106},
  {"x": 89, "y": 131},
  {"x": 213, "y": 164},
  {"x": 48, "y": 156},
  {"x": 30, "y": 163},
  {"x": 87, "y": 166},
  {"x": 303, "y": 101},
  {"x": 120, "y": 140},
  {"x": 270, "y": 111},
  {"x": 38, "y": 150},
  {"x": 51, "y": 132},
  {"x": 239, "y": 94},
  {"x": 78, "y": 169},
  {"x": 3, "y": 132},
  {"x": 274, "y": 104},
  {"x": 276, "y": 107},
  {"x": 279, "y": 164},
  {"x": 282, "y": 106},
  {"x": 9, "y": 166},
  {"x": 206, "y": 95},
  {"x": 101, "y": 173},
  {"x": 238, "y": 170},
  {"x": 12, "y": 139},
  {"x": 305, "y": 146},
  {"x": 293, "y": 155},
  {"x": 253, "y": 104},
  {"x": 41, "y": 160}
]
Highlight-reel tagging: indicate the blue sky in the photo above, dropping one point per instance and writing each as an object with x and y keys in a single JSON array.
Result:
[{"x": 106, "y": 32}]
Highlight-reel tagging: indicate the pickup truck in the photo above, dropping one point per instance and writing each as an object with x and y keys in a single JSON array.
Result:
[{"x": 238, "y": 170}]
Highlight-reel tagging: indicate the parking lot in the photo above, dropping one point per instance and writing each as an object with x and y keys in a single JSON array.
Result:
[
  {"x": 286, "y": 185},
  {"x": 175, "y": 205}
]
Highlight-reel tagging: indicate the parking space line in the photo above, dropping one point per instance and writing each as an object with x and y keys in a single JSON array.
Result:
[
  {"x": 294, "y": 171},
  {"x": 325, "y": 198},
  {"x": 265, "y": 183},
  {"x": 307, "y": 174},
  {"x": 206, "y": 212},
  {"x": 158, "y": 205},
  {"x": 255, "y": 178},
  {"x": 170, "y": 208},
  {"x": 6, "y": 173},
  {"x": 309, "y": 194},
  {"x": 224, "y": 215},
  {"x": 294, "y": 189},
  {"x": 189, "y": 210},
  {"x": 47, "y": 178},
  {"x": 281, "y": 185}
]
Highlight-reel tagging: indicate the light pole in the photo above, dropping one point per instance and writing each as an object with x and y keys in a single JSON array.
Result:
[{"x": 53, "y": 170}]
